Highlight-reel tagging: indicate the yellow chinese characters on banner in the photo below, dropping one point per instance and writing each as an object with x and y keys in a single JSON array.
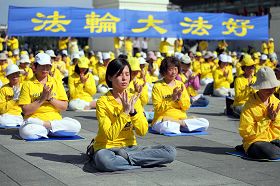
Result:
[
  {"x": 198, "y": 27},
  {"x": 98, "y": 24},
  {"x": 151, "y": 23},
  {"x": 232, "y": 26},
  {"x": 53, "y": 23}
]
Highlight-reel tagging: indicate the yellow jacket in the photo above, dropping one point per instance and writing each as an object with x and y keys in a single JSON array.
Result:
[
  {"x": 220, "y": 80},
  {"x": 79, "y": 90},
  {"x": 2, "y": 40},
  {"x": 144, "y": 98},
  {"x": 115, "y": 128},
  {"x": 32, "y": 90},
  {"x": 164, "y": 46},
  {"x": 101, "y": 73},
  {"x": 270, "y": 47},
  {"x": 13, "y": 44},
  {"x": 242, "y": 90},
  {"x": 62, "y": 44},
  {"x": 165, "y": 106},
  {"x": 254, "y": 123},
  {"x": 264, "y": 48},
  {"x": 178, "y": 45},
  {"x": 29, "y": 75},
  {"x": 206, "y": 70},
  {"x": 7, "y": 104}
]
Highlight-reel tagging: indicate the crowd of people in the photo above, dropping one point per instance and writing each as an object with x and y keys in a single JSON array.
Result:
[{"x": 35, "y": 89}]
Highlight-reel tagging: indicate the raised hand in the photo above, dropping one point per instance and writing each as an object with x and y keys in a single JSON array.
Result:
[
  {"x": 272, "y": 113},
  {"x": 125, "y": 102},
  {"x": 132, "y": 101},
  {"x": 83, "y": 78},
  {"x": 47, "y": 93},
  {"x": 16, "y": 90},
  {"x": 138, "y": 88}
]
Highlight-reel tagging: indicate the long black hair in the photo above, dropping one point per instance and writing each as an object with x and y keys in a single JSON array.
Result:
[{"x": 116, "y": 67}]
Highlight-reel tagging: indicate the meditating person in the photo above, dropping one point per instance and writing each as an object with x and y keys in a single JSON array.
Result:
[
  {"x": 82, "y": 87},
  {"x": 260, "y": 118},
  {"x": 120, "y": 117},
  {"x": 171, "y": 101},
  {"x": 42, "y": 100},
  {"x": 242, "y": 84},
  {"x": 10, "y": 111}
]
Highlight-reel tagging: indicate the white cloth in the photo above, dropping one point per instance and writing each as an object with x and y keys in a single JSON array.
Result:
[
  {"x": 205, "y": 81},
  {"x": 8, "y": 120},
  {"x": 34, "y": 129},
  {"x": 194, "y": 124},
  {"x": 102, "y": 88},
  {"x": 144, "y": 44},
  {"x": 78, "y": 104}
]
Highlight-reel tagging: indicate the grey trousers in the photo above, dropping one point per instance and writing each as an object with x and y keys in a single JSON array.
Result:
[
  {"x": 265, "y": 150},
  {"x": 117, "y": 159}
]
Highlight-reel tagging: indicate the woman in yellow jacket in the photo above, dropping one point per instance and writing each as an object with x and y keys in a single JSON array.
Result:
[
  {"x": 223, "y": 78},
  {"x": 42, "y": 100},
  {"x": 242, "y": 85},
  {"x": 82, "y": 87},
  {"x": 10, "y": 111},
  {"x": 24, "y": 63},
  {"x": 260, "y": 118},
  {"x": 120, "y": 117},
  {"x": 3, "y": 66},
  {"x": 171, "y": 101}
]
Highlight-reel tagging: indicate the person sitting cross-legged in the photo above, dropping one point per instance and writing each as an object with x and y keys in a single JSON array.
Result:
[
  {"x": 171, "y": 101},
  {"x": 42, "y": 99},
  {"x": 120, "y": 118},
  {"x": 10, "y": 111},
  {"x": 260, "y": 118}
]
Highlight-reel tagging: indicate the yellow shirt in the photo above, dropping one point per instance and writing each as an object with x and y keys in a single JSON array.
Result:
[
  {"x": 242, "y": 90},
  {"x": 206, "y": 70},
  {"x": 203, "y": 45},
  {"x": 61, "y": 66},
  {"x": 7, "y": 104},
  {"x": 62, "y": 44},
  {"x": 101, "y": 72},
  {"x": 178, "y": 45},
  {"x": 144, "y": 98},
  {"x": 128, "y": 45},
  {"x": 165, "y": 106},
  {"x": 3, "y": 78},
  {"x": 2, "y": 40},
  {"x": 270, "y": 46},
  {"x": 164, "y": 46},
  {"x": 117, "y": 43},
  {"x": 26, "y": 77},
  {"x": 264, "y": 48},
  {"x": 31, "y": 91},
  {"x": 79, "y": 90},
  {"x": 254, "y": 123},
  {"x": 56, "y": 73},
  {"x": 115, "y": 128},
  {"x": 196, "y": 65},
  {"x": 92, "y": 63},
  {"x": 220, "y": 80},
  {"x": 13, "y": 44}
]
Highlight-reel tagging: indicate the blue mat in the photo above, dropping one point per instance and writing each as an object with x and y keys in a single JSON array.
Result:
[
  {"x": 56, "y": 138},
  {"x": 199, "y": 106},
  {"x": 197, "y": 133},
  {"x": 10, "y": 127},
  {"x": 245, "y": 156}
]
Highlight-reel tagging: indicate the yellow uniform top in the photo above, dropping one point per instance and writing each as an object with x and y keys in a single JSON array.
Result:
[
  {"x": 117, "y": 43},
  {"x": 242, "y": 90},
  {"x": 196, "y": 65},
  {"x": 164, "y": 46},
  {"x": 158, "y": 61},
  {"x": 220, "y": 80},
  {"x": 203, "y": 45},
  {"x": 61, "y": 66},
  {"x": 270, "y": 46},
  {"x": 264, "y": 48},
  {"x": 191, "y": 91},
  {"x": 13, "y": 43},
  {"x": 62, "y": 44},
  {"x": 3, "y": 78},
  {"x": 165, "y": 106},
  {"x": 116, "y": 128},
  {"x": 101, "y": 73},
  {"x": 128, "y": 44},
  {"x": 178, "y": 45},
  {"x": 79, "y": 90},
  {"x": 92, "y": 63},
  {"x": 254, "y": 123},
  {"x": 29, "y": 75},
  {"x": 56, "y": 73},
  {"x": 144, "y": 98},
  {"x": 206, "y": 70},
  {"x": 7, "y": 104},
  {"x": 31, "y": 91},
  {"x": 2, "y": 40}
]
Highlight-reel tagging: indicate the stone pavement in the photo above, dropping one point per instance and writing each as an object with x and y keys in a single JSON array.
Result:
[{"x": 201, "y": 160}]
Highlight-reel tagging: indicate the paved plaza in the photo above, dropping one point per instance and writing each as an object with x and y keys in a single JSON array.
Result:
[{"x": 201, "y": 160}]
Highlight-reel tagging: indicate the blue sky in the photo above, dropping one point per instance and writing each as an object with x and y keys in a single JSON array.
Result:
[{"x": 4, "y": 5}]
